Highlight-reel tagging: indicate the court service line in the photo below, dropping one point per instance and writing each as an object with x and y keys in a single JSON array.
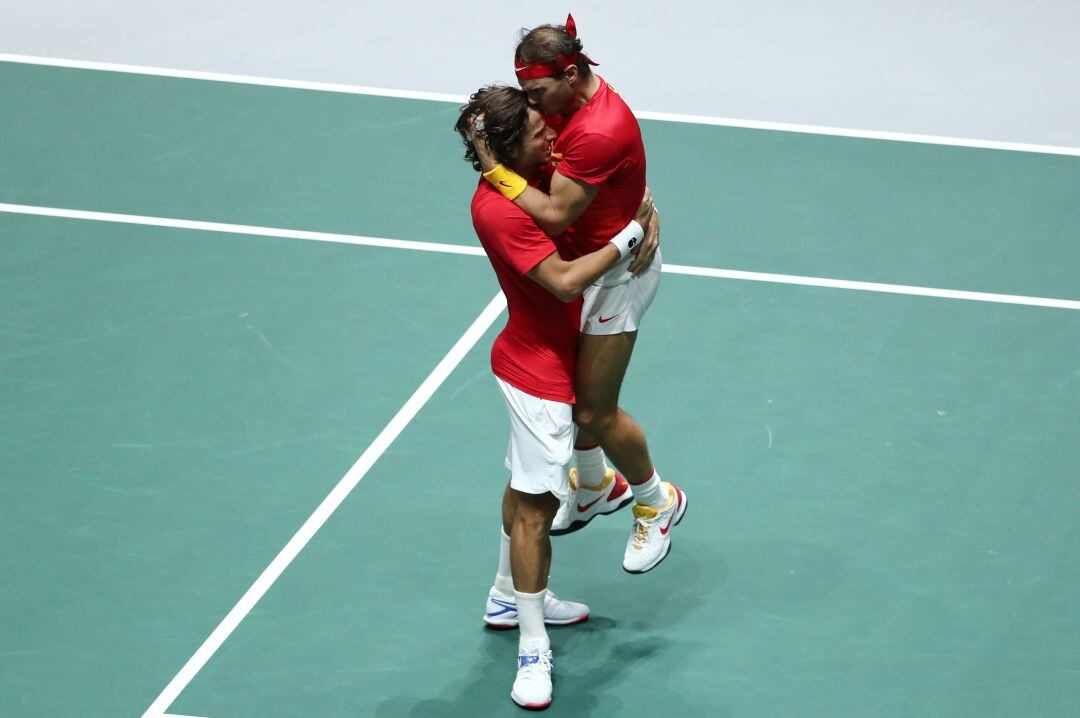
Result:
[
  {"x": 239, "y": 229},
  {"x": 873, "y": 287},
  {"x": 460, "y": 99},
  {"x": 477, "y": 251},
  {"x": 333, "y": 500}
]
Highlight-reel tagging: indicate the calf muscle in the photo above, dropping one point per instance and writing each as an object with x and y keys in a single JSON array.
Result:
[{"x": 601, "y": 367}]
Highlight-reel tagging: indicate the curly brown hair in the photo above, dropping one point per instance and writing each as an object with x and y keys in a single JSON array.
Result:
[{"x": 506, "y": 118}]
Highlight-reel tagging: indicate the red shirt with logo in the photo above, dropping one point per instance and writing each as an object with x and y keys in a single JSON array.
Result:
[
  {"x": 537, "y": 349},
  {"x": 600, "y": 145}
]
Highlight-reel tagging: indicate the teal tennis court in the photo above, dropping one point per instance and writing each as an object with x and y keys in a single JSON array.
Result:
[{"x": 884, "y": 473}]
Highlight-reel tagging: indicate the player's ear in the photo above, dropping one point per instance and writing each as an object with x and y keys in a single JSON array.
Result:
[
  {"x": 513, "y": 152},
  {"x": 571, "y": 74}
]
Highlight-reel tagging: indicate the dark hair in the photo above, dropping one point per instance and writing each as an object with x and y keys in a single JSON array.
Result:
[
  {"x": 545, "y": 43},
  {"x": 506, "y": 118}
]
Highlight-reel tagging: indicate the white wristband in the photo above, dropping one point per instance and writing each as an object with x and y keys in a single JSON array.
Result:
[{"x": 627, "y": 239}]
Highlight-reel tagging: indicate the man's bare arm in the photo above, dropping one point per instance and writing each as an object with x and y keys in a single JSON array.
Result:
[
  {"x": 557, "y": 211},
  {"x": 568, "y": 199},
  {"x": 567, "y": 280},
  {"x": 553, "y": 212},
  {"x": 646, "y": 251}
]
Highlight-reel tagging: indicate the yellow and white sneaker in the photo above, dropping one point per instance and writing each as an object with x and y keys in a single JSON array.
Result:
[
  {"x": 532, "y": 686},
  {"x": 650, "y": 542},
  {"x": 586, "y": 504}
]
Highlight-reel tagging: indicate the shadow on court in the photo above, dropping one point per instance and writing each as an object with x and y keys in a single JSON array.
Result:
[{"x": 603, "y": 663}]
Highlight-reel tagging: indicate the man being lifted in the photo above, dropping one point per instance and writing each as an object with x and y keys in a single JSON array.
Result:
[{"x": 596, "y": 184}]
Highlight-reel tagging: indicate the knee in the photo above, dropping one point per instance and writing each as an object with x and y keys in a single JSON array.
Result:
[
  {"x": 535, "y": 518},
  {"x": 594, "y": 418}
]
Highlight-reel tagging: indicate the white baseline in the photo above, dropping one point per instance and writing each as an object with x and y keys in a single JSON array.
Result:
[
  {"x": 460, "y": 99},
  {"x": 477, "y": 251}
]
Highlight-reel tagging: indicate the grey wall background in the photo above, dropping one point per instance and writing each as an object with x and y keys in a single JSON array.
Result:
[{"x": 982, "y": 69}]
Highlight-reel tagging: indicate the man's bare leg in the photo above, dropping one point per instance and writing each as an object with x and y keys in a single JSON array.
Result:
[
  {"x": 509, "y": 509},
  {"x": 534, "y": 547},
  {"x": 504, "y": 581},
  {"x": 602, "y": 362},
  {"x": 601, "y": 367},
  {"x": 530, "y": 560},
  {"x": 530, "y": 545},
  {"x": 501, "y": 611}
]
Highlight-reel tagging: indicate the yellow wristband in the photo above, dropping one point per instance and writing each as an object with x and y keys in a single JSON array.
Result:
[{"x": 510, "y": 183}]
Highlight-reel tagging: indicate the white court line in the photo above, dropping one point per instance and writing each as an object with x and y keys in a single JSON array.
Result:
[
  {"x": 327, "y": 507},
  {"x": 861, "y": 134},
  {"x": 873, "y": 287},
  {"x": 460, "y": 99},
  {"x": 225, "y": 77},
  {"x": 240, "y": 229},
  {"x": 462, "y": 249}
]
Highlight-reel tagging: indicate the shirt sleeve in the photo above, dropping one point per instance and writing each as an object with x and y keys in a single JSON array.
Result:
[
  {"x": 592, "y": 159},
  {"x": 520, "y": 243}
]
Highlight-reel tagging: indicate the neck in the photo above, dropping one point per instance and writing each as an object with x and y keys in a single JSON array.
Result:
[
  {"x": 585, "y": 91},
  {"x": 529, "y": 171}
]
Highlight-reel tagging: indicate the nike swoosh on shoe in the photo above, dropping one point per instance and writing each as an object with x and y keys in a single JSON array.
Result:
[
  {"x": 665, "y": 529},
  {"x": 585, "y": 508}
]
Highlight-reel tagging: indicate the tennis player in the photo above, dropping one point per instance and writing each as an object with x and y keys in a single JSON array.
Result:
[
  {"x": 598, "y": 178},
  {"x": 533, "y": 361}
]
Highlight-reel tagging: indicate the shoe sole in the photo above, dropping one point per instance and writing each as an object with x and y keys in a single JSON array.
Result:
[
  {"x": 580, "y": 524},
  {"x": 667, "y": 549},
  {"x": 510, "y": 626},
  {"x": 530, "y": 706}
]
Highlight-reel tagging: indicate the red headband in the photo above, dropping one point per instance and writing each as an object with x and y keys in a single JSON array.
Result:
[{"x": 536, "y": 70}]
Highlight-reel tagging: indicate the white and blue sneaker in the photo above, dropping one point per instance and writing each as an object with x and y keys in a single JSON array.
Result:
[
  {"x": 501, "y": 611},
  {"x": 532, "y": 687}
]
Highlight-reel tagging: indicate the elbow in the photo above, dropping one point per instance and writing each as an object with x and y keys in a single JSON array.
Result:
[
  {"x": 560, "y": 225},
  {"x": 569, "y": 291},
  {"x": 555, "y": 223},
  {"x": 554, "y": 229}
]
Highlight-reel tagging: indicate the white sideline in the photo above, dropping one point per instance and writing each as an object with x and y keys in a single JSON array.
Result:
[
  {"x": 333, "y": 500},
  {"x": 459, "y": 99},
  {"x": 477, "y": 251}
]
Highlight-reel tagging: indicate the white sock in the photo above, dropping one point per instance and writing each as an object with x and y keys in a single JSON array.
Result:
[
  {"x": 504, "y": 582},
  {"x": 651, "y": 493},
  {"x": 591, "y": 467},
  {"x": 530, "y": 607}
]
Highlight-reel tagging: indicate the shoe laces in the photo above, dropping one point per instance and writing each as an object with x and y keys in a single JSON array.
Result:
[
  {"x": 644, "y": 519},
  {"x": 641, "y": 532},
  {"x": 543, "y": 663},
  {"x": 547, "y": 660}
]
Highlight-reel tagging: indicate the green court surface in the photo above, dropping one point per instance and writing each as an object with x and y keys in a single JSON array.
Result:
[{"x": 884, "y": 513}]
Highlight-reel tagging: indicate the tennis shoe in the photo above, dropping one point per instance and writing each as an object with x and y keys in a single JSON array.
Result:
[
  {"x": 501, "y": 611},
  {"x": 532, "y": 687},
  {"x": 584, "y": 504},
  {"x": 650, "y": 541}
]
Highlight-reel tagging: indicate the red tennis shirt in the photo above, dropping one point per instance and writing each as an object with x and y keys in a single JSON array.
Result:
[
  {"x": 600, "y": 145},
  {"x": 536, "y": 350}
]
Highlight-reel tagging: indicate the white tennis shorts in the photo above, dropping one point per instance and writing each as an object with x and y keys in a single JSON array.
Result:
[
  {"x": 618, "y": 302},
  {"x": 541, "y": 442}
]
